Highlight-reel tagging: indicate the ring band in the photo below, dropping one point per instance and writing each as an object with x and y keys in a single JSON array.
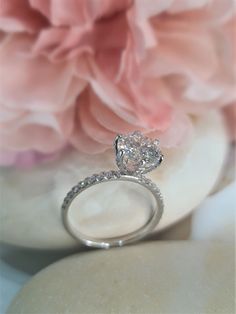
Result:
[{"x": 135, "y": 155}]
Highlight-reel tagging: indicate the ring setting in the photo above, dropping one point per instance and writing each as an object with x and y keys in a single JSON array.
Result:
[{"x": 136, "y": 155}]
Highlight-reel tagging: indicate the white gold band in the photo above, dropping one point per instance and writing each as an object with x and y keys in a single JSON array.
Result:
[{"x": 154, "y": 218}]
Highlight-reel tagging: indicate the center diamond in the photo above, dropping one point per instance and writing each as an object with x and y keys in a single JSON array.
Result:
[{"x": 136, "y": 153}]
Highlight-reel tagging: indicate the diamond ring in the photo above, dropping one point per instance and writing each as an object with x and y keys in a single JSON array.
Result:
[{"x": 136, "y": 155}]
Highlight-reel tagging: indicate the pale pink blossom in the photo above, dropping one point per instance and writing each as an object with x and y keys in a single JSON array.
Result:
[
  {"x": 76, "y": 72},
  {"x": 26, "y": 159}
]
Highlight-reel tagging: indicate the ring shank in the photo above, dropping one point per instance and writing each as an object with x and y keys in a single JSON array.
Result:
[{"x": 139, "y": 233}]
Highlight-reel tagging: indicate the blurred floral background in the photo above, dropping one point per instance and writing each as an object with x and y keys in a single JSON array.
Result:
[{"x": 75, "y": 73}]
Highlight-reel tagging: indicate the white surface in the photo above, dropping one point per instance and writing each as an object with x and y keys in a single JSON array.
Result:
[{"x": 31, "y": 200}]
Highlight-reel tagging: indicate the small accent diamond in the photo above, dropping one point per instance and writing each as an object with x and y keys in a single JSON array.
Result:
[{"x": 76, "y": 189}]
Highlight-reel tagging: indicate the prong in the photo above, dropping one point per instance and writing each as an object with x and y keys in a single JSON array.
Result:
[
  {"x": 161, "y": 158},
  {"x": 156, "y": 142},
  {"x": 116, "y": 140}
]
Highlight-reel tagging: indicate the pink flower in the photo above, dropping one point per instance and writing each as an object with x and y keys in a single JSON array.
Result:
[
  {"x": 25, "y": 159},
  {"x": 79, "y": 71}
]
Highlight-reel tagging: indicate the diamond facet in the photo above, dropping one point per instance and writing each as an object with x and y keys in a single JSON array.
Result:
[{"x": 136, "y": 153}]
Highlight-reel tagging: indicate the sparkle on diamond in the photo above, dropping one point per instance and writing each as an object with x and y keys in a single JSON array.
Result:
[{"x": 137, "y": 153}]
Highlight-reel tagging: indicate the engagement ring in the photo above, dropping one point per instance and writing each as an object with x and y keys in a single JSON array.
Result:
[{"x": 136, "y": 155}]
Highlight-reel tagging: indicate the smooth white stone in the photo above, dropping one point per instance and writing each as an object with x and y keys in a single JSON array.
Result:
[
  {"x": 158, "y": 277},
  {"x": 31, "y": 199},
  {"x": 215, "y": 219}
]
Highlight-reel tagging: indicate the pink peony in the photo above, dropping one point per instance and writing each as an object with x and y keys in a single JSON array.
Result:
[
  {"x": 79, "y": 71},
  {"x": 25, "y": 159}
]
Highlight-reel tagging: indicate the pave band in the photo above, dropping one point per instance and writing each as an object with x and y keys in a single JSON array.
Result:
[
  {"x": 136, "y": 155},
  {"x": 153, "y": 220}
]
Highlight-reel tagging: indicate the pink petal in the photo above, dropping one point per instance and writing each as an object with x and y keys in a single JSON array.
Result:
[
  {"x": 179, "y": 132},
  {"x": 81, "y": 141},
  {"x": 18, "y": 16},
  {"x": 107, "y": 118},
  {"x": 91, "y": 126},
  {"x": 26, "y": 159},
  {"x": 37, "y": 83},
  {"x": 182, "y": 50}
]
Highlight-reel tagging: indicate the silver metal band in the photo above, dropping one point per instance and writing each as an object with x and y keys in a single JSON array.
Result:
[{"x": 154, "y": 218}]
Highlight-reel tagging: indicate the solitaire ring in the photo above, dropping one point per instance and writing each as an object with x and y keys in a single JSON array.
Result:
[{"x": 136, "y": 155}]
